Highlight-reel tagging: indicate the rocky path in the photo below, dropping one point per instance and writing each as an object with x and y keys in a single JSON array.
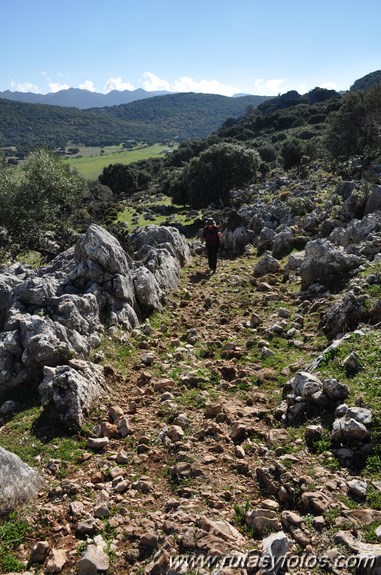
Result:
[{"x": 188, "y": 456}]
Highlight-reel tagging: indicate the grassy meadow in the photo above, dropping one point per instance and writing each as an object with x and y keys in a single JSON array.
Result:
[{"x": 89, "y": 162}]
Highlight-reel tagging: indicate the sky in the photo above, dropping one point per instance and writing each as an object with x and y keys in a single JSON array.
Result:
[{"x": 262, "y": 47}]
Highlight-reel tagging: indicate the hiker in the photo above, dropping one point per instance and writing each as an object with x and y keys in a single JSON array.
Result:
[{"x": 211, "y": 236}]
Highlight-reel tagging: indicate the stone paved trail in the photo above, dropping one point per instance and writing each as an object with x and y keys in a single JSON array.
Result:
[{"x": 188, "y": 455}]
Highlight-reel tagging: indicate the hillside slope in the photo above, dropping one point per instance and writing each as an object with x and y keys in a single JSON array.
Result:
[{"x": 158, "y": 119}]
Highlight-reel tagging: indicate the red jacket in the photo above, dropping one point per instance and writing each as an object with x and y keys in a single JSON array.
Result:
[{"x": 211, "y": 235}]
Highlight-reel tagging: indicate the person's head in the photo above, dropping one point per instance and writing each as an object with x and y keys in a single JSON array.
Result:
[{"x": 210, "y": 222}]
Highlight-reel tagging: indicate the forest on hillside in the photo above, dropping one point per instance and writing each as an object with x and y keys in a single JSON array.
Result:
[{"x": 176, "y": 117}]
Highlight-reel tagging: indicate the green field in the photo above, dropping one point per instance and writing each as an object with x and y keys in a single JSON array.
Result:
[{"x": 90, "y": 161}]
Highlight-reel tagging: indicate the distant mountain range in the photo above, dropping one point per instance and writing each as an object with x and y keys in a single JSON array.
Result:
[
  {"x": 84, "y": 99},
  {"x": 78, "y": 98}
]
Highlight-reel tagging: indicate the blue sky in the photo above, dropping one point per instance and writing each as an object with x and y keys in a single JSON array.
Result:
[{"x": 263, "y": 47}]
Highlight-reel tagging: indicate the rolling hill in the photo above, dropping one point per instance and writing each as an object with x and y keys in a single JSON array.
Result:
[{"x": 158, "y": 119}]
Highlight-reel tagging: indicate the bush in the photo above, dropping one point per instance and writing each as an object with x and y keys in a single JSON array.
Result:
[
  {"x": 292, "y": 153},
  {"x": 209, "y": 178},
  {"x": 42, "y": 203}
]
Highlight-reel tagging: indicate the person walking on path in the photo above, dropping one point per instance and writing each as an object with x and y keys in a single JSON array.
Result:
[{"x": 211, "y": 236}]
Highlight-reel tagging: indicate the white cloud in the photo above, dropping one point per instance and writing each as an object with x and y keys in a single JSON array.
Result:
[
  {"x": 87, "y": 85},
  {"x": 186, "y": 84},
  {"x": 302, "y": 88},
  {"x": 24, "y": 87},
  {"x": 153, "y": 83},
  {"x": 55, "y": 87},
  {"x": 117, "y": 84},
  {"x": 329, "y": 85},
  {"x": 267, "y": 87}
]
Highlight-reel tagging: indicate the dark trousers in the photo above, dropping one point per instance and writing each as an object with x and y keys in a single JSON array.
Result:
[{"x": 212, "y": 251}]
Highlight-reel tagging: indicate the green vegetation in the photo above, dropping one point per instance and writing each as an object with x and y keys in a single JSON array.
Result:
[
  {"x": 30, "y": 436},
  {"x": 159, "y": 119},
  {"x": 41, "y": 204},
  {"x": 364, "y": 385},
  {"x": 209, "y": 177},
  {"x": 12, "y": 533},
  {"x": 91, "y": 165}
]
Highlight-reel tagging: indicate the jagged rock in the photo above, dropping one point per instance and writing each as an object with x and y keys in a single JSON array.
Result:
[
  {"x": 148, "y": 292},
  {"x": 313, "y": 434},
  {"x": 360, "y": 414},
  {"x": 283, "y": 243},
  {"x": 291, "y": 519},
  {"x": 305, "y": 384},
  {"x": 273, "y": 558},
  {"x": 175, "y": 433},
  {"x": 18, "y": 481},
  {"x": 326, "y": 264},
  {"x": 95, "y": 558},
  {"x": 77, "y": 312},
  {"x": 315, "y": 502},
  {"x": 73, "y": 389},
  {"x": 97, "y": 252},
  {"x": 207, "y": 536},
  {"x": 40, "y": 552},
  {"x": 354, "y": 206},
  {"x": 265, "y": 240},
  {"x": 159, "y": 564},
  {"x": 88, "y": 526},
  {"x": 295, "y": 261},
  {"x": 347, "y": 429},
  {"x": 356, "y": 231},
  {"x": 36, "y": 291},
  {"x": 235, "y": 240},
  {"x": 162, "y": 237},
  {"x": 8, "y": 281},
  {"x": 57, "y": 312},
  {"x": 344, "y": 315},
  {"x": 124, "y": 427},
  {"x": 266, "y": 265},
  {"x": 357, "y": 489},
  {"x": 262, "y": 520},
  {"x": 352, "y": 364},
  {"x": 369, "y": 555},
  {"x": 311, "y": 397},
  {"x": 56, "y": 561},
  {"x": 373, "y": 203},
  {"x": 46, "y": 342},
  {"x": 335, "y": 390},
  {"x": 162, "y": 262}
]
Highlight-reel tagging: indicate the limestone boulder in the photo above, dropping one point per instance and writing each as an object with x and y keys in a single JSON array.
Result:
[
  {"x": 148, "y": 292},
  {"x": 73, "y": 389},
  {"x": 165, "y": 237},
  {"x": 18, "y": 481},
  {"x": 326, "y": 264},
  {"x": 266, "y": 265}
]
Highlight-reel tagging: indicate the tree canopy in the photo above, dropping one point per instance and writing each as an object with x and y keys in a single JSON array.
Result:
[
  {"x": 41, "y": 206},
  {"x": 209, "y": 177}
]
